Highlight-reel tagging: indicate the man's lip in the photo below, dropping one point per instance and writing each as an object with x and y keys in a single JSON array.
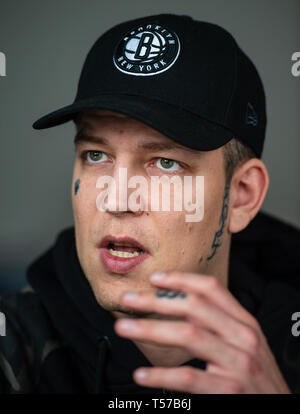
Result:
[
  {"x": 125, "y": 239},
  {"x": 120, "y": 265}
]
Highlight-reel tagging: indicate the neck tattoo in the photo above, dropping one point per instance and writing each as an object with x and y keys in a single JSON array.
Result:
[{"x": 217, "y": 238}]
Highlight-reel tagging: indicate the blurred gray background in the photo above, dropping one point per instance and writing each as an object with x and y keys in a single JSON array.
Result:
[{"x": 46, "y": 42}]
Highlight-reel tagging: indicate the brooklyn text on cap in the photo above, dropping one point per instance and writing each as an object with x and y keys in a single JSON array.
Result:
[{"x": 185, "y": 78}]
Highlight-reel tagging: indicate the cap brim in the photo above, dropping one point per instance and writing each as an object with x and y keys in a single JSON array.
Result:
[{"x": 178, "y": 124}]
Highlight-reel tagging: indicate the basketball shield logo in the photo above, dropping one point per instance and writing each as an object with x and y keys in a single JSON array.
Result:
[{"x": 147, "y": 50}]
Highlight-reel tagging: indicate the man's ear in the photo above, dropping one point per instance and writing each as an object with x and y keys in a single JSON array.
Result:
[{"x": 248, "y": 189}]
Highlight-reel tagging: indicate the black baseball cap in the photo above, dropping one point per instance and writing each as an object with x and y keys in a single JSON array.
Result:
[{"x": 185, "y": 78}]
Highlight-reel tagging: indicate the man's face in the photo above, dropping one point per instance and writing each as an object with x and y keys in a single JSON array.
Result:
[{"x": 171, "y": 242}]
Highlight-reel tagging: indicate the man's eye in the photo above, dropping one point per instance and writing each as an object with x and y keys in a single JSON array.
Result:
[
  {"x": 95, "y": 156},
  {"x": 167, "y": 164}
]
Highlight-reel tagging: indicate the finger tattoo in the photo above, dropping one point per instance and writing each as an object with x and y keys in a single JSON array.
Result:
[{"x": 170, "y": 294}]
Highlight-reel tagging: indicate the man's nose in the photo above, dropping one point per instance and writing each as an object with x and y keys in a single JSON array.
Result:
[{"x": 118, "y": 193}]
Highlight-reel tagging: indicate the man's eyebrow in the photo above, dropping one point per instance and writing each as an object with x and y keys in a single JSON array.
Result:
[
  {"x": 160, "y": 146},
  {"x": 150, "y": 146},
  {"x": 83, "y": 137}
]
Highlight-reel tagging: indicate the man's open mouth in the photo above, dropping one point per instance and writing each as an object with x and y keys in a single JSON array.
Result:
[
  {"x": 124, "y": 250},
  {"x": 121, "y": 254}
]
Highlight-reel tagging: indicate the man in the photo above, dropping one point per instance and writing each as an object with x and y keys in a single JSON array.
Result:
[{"x": 207, "y": 310}]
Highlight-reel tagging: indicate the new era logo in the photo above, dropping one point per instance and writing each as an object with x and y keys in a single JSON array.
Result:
[{"x": 251, "y": 115}]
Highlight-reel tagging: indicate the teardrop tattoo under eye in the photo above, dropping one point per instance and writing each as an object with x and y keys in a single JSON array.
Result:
[{"x": 76, "y": 186}]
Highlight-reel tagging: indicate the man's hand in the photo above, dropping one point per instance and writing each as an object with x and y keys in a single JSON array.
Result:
[{"x": 213, "y": 327}]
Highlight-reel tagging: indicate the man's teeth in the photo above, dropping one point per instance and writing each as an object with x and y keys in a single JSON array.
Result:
[{"x": 123, "y": 254}]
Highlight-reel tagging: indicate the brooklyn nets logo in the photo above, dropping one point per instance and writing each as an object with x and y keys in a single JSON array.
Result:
[{"x": 147, "y": 50}]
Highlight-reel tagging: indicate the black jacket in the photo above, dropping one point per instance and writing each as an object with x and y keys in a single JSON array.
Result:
[{"x": 59, "y": 340}]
